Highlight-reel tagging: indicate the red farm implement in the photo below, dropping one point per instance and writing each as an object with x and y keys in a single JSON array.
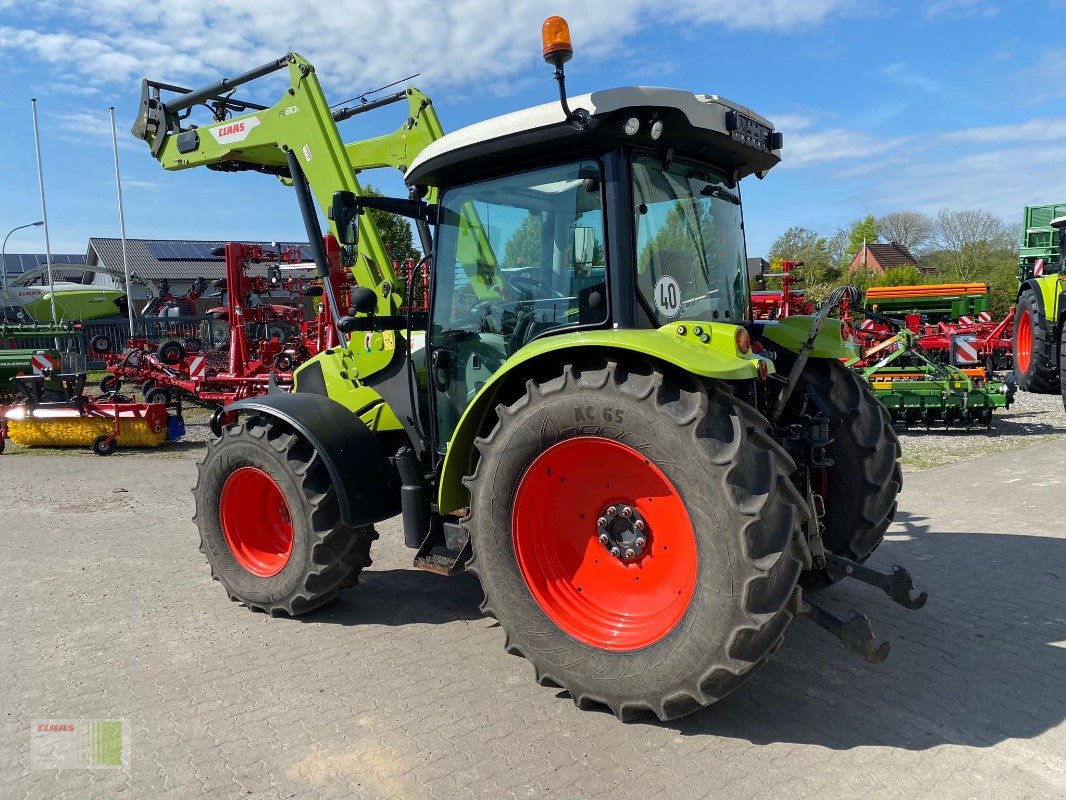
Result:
[
  {"x": 951, "y": 323},
  {"x": 770, "y": 304},
  {"x": 255, "y": 343}
]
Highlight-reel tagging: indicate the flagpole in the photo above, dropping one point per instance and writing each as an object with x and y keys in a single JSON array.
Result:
[
  {"x": 44, "y": 210},
  {"x": 122, "y": 223}
]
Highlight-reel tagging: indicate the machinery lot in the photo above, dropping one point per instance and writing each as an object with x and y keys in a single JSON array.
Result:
[{"x": 402, "y": 689}]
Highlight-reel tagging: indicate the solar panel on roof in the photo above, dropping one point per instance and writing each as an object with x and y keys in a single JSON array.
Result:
[{"x": 183, "y": 251}]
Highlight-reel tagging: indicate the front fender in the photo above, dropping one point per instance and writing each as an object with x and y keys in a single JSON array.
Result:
[
  {"x": 792, "y": 332},
  {"x": 368, "y": 488},
  {"x": 1049, "y": 291},
  {"x": 707, "y": 349}
]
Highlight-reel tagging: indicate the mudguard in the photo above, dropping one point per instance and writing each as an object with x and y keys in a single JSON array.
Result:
[
  {"x": 368, "y": 488},
  {"x": 1049, "y": 289},
  {"x": 703, "y": 348}
]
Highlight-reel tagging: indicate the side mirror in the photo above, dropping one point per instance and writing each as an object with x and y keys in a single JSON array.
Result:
[
  {"x": 345, "y": 217},
  {"x": 584, "y": 246}
]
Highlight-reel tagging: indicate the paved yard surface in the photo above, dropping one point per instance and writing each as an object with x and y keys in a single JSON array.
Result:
[{"x": 402, "y": 690}]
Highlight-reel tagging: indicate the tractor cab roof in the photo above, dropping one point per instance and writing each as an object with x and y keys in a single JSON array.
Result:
[{"x": 706, "y": 127}]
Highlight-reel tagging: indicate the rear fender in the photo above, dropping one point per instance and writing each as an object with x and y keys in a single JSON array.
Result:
[
  {"x": 678, "y": 345},
  {"x": 368, "y": 488}
]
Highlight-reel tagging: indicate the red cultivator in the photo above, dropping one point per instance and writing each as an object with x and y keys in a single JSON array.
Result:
[
  {"x": 785, "y": 303},
  {"x": 256, "y": 344},
  {"x": 950, "y": 322}
]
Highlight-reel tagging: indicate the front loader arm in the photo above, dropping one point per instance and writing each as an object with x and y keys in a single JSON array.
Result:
[{"x": 248, "y": 136}]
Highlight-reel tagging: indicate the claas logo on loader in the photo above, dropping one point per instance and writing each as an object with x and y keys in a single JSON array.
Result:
[{"x": 234, "y": 131}]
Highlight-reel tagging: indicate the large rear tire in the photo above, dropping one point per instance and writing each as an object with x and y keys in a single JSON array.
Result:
[
  {"x": 861, "y": 486},
  {"x": 1035, "y": 361},
  {"x": 270, "y": 523},
  {"x": 680, "y": 624}
]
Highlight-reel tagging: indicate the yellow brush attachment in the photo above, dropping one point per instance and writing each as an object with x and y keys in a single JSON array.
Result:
[{"x": 74, "y": 431}]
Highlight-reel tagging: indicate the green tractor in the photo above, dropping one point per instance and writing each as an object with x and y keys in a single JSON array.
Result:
[
  {"x": 649, "y": 486},
  {"x": 1040, "y": 316}
]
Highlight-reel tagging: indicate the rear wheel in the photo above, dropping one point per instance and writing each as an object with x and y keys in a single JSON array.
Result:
[
  {"x": 269, "y": 520},
  {"x": 637, "y": 537},
  {"x": 1034, "y": 347}
]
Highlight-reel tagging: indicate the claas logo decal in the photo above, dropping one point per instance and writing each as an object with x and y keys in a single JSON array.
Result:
[{"x": 234, "y": 131}]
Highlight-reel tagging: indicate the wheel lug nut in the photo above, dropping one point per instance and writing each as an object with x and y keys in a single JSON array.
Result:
[
  {"x": 611, "y": 511},
  {"x": 639, "y": 524},
  {"x": 641, "y": 541},
  {"x": 603, "y": 538},
  {"x": 602, "y": 522},
  {"x": 630, "y": 554},
  {"x": 627, "y": 512},
  {"x": 615, "y": 552}
]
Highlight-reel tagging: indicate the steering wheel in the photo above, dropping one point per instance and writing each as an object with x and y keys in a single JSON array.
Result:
[{"x": 532, "y": 287}]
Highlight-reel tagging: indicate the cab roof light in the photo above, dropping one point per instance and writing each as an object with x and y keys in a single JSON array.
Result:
[{"x": 555, "y": 36}]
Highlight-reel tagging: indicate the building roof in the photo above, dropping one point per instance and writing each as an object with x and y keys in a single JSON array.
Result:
[
  {"x": 166, "y": 259},
  {"x": 887, "y": 255}
]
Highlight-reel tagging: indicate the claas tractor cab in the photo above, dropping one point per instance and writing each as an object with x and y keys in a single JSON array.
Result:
[{"x": 649, "y": 485}]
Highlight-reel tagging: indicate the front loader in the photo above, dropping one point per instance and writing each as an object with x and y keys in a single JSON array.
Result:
[{"x": 649, "y": 485}]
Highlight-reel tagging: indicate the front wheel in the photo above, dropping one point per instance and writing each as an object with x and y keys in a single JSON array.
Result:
[
  {"x": 637, "y": 537},
  {"x": 270, "y": 523},
  {"x": 859, "y": 490},
  {"x": 1034, "y": 347}
]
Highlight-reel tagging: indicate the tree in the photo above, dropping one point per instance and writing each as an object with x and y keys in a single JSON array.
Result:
[
  {"x": 523, "y": 248},
  {"x": 973, "y": 238},
  {"x": 912, "y": 229},
  {"x": 394, "y": 231},
  {"x": 862, "y": 231}
]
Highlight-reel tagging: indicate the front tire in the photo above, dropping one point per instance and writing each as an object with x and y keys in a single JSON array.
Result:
[
  {"x": 270, "y": 523},
  {"x": 862, "y": 484},
  {"x": 723, "y": 546},
  {"x": 1034, "y": 347}
]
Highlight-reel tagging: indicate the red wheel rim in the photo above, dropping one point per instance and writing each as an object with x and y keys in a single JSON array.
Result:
[
  {"x": 597, "y": 598},
  {"x": 256, "y": 521},
  {"x": 1024, "y": 341}
]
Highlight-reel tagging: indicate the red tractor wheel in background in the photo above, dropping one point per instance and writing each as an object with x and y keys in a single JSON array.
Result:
[
  {"x": 172, "y": 352},
  {"x": 637, "y": 536},
  {"x": 1035, "y": 347},
  {"x": 110, "y": 384}
]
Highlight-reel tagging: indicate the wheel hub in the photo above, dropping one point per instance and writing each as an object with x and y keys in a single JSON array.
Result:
[{"x": 623, "y": 532}]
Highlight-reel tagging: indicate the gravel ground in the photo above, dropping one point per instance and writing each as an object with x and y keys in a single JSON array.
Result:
[{"x": 1031, "y": 419}]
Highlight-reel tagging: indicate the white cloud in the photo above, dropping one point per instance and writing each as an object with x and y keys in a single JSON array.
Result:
[
  {"x": 769, "y": 14},
  {"x": 905, "y": 75},
  {"x": 960, "y": 8},
  {"x": 1034, "y": 131},
  {"x": 354, "y": 43},
  {"x": 806, "y": 146}
]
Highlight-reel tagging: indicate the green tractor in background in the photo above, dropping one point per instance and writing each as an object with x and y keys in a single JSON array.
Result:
[
  {"x": 1039, "y": 344},
  {"x": 649, "y": 485}
]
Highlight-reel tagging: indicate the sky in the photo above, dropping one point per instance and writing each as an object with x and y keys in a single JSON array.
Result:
[{"x": 884, "y": 106}]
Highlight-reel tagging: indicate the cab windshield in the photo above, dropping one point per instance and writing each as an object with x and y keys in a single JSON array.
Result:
[{"x": 691, "y": 262}]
